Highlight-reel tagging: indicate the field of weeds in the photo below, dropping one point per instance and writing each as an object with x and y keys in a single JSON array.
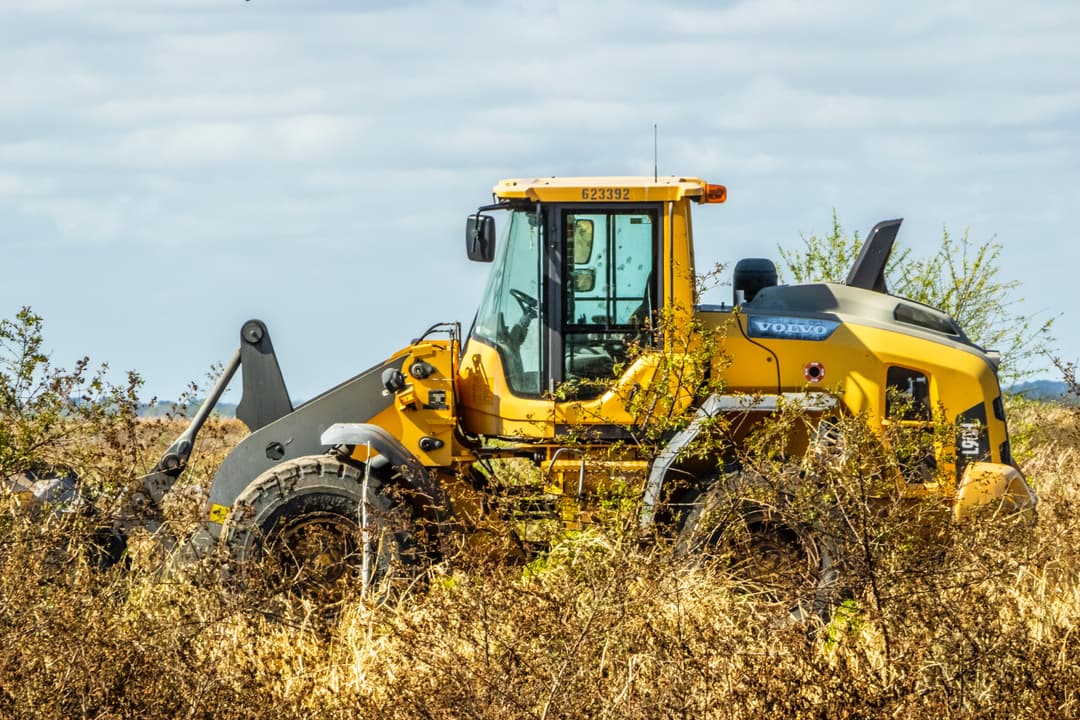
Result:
[{"x": 979, "y": 622}]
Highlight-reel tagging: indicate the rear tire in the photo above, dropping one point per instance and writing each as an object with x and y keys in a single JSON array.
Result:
[
  {"x": 298, "y": 528},
  {"x": 786, "y": 565}
]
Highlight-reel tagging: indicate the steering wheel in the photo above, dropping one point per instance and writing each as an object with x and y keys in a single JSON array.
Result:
[
  {"x": 527, "y": 302},
  {"x": 515, "y": 336}
]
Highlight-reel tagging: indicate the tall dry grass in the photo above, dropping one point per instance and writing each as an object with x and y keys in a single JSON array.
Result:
[{"x": 985, "y": 624}]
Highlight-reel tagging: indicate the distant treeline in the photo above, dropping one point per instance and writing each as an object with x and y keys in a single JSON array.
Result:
[
  {"x": 167, "y": 407},
  {"x": 1048, "y": 390}
]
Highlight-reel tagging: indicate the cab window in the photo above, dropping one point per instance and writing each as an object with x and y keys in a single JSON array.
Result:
[
  {"x": 609, "y": 288},
  {"x": 907, "y": 402},
  {"x": 509, "y": 317}
]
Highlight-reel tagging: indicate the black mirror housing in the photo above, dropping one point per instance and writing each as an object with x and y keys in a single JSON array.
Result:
[{"x": 480, "y": 238}]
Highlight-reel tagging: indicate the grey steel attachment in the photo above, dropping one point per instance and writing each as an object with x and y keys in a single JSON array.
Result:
[{"x": 265, "y": 398}]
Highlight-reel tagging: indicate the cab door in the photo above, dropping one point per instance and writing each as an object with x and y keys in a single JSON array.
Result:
[{"x": 605, "y": 294}]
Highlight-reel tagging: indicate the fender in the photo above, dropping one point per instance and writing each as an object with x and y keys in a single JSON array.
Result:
[
  {"x": 293, "y": 435},
  {"x": 715, "y": 405},
  {"x": 391, "y": 451}
]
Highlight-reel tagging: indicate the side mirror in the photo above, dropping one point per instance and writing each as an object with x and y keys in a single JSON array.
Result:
[
  {"x": 480, "y": 238},
  {"x": 581, "y": 240},
  {"x": 584, "y": 280}
]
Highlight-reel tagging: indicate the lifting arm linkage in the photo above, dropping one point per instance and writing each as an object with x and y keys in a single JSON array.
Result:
[
  {"x": 263, "y": 401},
  {"x": 172, "y": 463}
]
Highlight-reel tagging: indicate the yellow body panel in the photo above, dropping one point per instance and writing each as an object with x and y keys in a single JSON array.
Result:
[
  {"x": 426, "y": 408},
  {"x": 680, "y": 277},
  {"x": 489, "y": 407},
  {"x": 613, "y": 407},
  {"x": 854, "y": 360},
  {"x": 992, "y": 487}
]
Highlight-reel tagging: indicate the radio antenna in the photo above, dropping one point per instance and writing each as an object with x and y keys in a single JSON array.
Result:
[{"x": 655, "y": 154}]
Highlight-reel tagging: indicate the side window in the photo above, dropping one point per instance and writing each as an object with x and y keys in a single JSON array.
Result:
[
  {"x": 907, "y": 394},
  {"x": 586, "y": 281},
  {"x": 633, "y": 298},
  {"x": 509, "y": 317},
  {"x": 610, "y": 260},
  {"x": 609, "y": 288},
  {"x": 907, "y": 400}
]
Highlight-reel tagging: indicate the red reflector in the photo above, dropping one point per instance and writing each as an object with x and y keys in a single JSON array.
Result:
[{"x": 715, "y": 193}]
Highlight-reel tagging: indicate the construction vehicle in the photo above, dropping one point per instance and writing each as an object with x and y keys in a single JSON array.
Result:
[{"x": 591, "y": 291}]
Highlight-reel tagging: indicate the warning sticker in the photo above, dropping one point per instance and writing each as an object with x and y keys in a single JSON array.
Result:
[{"x": 436, "y": 400}]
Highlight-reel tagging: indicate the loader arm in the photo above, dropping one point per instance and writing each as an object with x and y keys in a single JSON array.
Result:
[
  {"x": 264, "y": 400},
  {"x": 172, "y": 464},
  {"x": 295, "y": 435}
]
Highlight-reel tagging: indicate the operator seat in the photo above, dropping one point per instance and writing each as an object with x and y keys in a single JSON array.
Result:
[{"x": 595, "y": 358}]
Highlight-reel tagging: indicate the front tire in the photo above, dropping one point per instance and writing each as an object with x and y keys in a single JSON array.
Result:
[{"x": 299, "y": 527}]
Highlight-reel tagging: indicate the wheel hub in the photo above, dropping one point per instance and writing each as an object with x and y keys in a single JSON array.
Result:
[{"x": 318, "y": 553}]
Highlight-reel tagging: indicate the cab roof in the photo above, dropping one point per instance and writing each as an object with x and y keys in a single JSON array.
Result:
[{"x": 608, "y": 189}]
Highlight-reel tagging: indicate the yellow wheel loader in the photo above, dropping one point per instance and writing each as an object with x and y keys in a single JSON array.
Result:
[{"x": 567, "y": 365}]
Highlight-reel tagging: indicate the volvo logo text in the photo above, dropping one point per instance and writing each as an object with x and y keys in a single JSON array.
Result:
[{"x": 788, "y": 328}]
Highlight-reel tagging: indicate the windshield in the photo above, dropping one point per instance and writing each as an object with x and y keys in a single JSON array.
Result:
[{"x": 509, "y": 314}]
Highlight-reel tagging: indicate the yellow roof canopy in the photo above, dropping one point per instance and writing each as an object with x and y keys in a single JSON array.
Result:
[{"x": 609, "y": 189}]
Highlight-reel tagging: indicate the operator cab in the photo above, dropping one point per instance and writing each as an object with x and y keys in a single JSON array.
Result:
[
  {"x": 579, "y": 272},
  {"x": 569, "y": 314}
]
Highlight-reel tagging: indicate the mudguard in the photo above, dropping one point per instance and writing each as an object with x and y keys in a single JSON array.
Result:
[
  {"x": 390, "y": 449},
  {"x": 715, "y": 405}
]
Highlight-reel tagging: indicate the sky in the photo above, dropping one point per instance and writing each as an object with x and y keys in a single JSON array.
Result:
[{"x": 172, "y": 168}]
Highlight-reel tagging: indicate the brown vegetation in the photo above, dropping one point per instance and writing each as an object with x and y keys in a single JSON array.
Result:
[{"x": 978, "y": 622}]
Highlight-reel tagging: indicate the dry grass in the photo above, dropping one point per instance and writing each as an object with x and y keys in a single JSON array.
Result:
[{"x": 601, "y": 626}]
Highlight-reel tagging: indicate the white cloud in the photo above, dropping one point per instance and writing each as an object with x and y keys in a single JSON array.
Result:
[
  {"x": 192, "y": 144},
  {"x": 317, "y": 134},
  {"x": 19, "y": 185},
  {"x": 238, "y": 144},
  {"x": 158, "y": 106}
]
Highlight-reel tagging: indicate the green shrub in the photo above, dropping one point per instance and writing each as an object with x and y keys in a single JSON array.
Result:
[{"x": 962, "y": 278}]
